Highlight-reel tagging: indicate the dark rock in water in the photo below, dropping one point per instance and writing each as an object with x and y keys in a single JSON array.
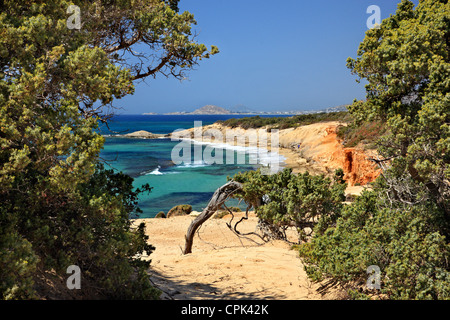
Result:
[{"x": 165, "y": 163}]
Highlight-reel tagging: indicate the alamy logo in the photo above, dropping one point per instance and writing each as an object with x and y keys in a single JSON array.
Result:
[
  {"x": 374, "y": 280},
  {"x": 374, "y": 21},
  {"x": 74, "y": 281},
  {"x": 74, "y": 21}
]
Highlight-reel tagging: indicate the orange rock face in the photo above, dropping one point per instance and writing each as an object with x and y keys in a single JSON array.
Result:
[
  {"x": 358, "y": 169},
  {"x": 319, "y": 142}
]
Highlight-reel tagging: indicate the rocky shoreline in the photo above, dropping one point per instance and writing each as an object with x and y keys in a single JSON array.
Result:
[{"x": 314, "y": 148}]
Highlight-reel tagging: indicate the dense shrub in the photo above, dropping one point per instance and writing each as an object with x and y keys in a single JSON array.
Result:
[
  {"x": 403, "y": 226},
  {"x": 285, "y": 200},
  {"x": 406, "y": 243},
  {"x": 58, "y": 206},
  {"x": 90, "y": 229},
  {"x": 364, "y": 134},
  {"x": 180, "y": 210}
]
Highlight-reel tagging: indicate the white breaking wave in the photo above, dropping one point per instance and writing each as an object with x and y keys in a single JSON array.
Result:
[
  {"x": 194, "y": 164},
  {"x": 156, "y": 172},
  {"x": 257, "y": 155}
]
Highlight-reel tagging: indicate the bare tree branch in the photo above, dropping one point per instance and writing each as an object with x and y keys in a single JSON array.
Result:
[{"x": 221, "y": 195}]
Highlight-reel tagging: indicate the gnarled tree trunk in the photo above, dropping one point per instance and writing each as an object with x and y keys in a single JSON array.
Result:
[{"x": 220, "y": 196}]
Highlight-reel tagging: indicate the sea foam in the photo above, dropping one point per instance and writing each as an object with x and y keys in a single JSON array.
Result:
[{"x": 257, "y": 155}]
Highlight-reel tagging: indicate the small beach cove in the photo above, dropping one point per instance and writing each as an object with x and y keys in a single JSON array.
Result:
[
  {"x": 224, "y": 266},
  {"x": 129, "y": 149}
]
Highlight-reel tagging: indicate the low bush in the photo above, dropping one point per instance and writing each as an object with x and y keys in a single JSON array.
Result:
[
  {"x": 407, "y": 243},
  {"x": 180, "y": 210},
  {"x": 285, "y": 122}
]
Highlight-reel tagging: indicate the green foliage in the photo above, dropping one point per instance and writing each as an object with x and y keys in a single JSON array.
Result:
[
  {"x": 103, "y": 229},
  {"x": 58, "y": 205},
  {"x": 339, "y": 176},
  {"x": 285, "y": 199},
  {"x": 406, "y": 243},
  {"x": 407, "y": 65},
  {"x": 161, "y": 215},
  {"x": 90, "y": 228},
  {"x": 17, "y": 260},
  {"x": 365, "y": 134},
  {"x": 284, "y": 122},
  {"x": 180, "y": 210},
  {"x": 403, "y": 226}
]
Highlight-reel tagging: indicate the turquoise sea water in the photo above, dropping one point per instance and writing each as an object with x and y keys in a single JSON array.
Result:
[{"x": 149, "y": 161}]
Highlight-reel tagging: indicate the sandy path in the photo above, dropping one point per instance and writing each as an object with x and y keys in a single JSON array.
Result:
[{"x": 223, "y": 266}]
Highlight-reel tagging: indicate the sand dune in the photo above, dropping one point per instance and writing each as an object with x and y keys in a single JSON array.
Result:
[{"x": 224, "y": 266}]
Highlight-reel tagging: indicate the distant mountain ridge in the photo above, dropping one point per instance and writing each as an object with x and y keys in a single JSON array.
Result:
[
  {"x": 208, "y": 109},
  {"x": 243, "y": 110}
]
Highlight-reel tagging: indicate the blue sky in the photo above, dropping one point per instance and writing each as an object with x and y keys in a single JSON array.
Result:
[{"x": 274, "y": 55}]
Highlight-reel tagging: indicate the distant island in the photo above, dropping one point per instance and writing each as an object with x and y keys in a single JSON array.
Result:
[
  {"x": 208, "y": 109},
  {"x": 239, "y": 110}
]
